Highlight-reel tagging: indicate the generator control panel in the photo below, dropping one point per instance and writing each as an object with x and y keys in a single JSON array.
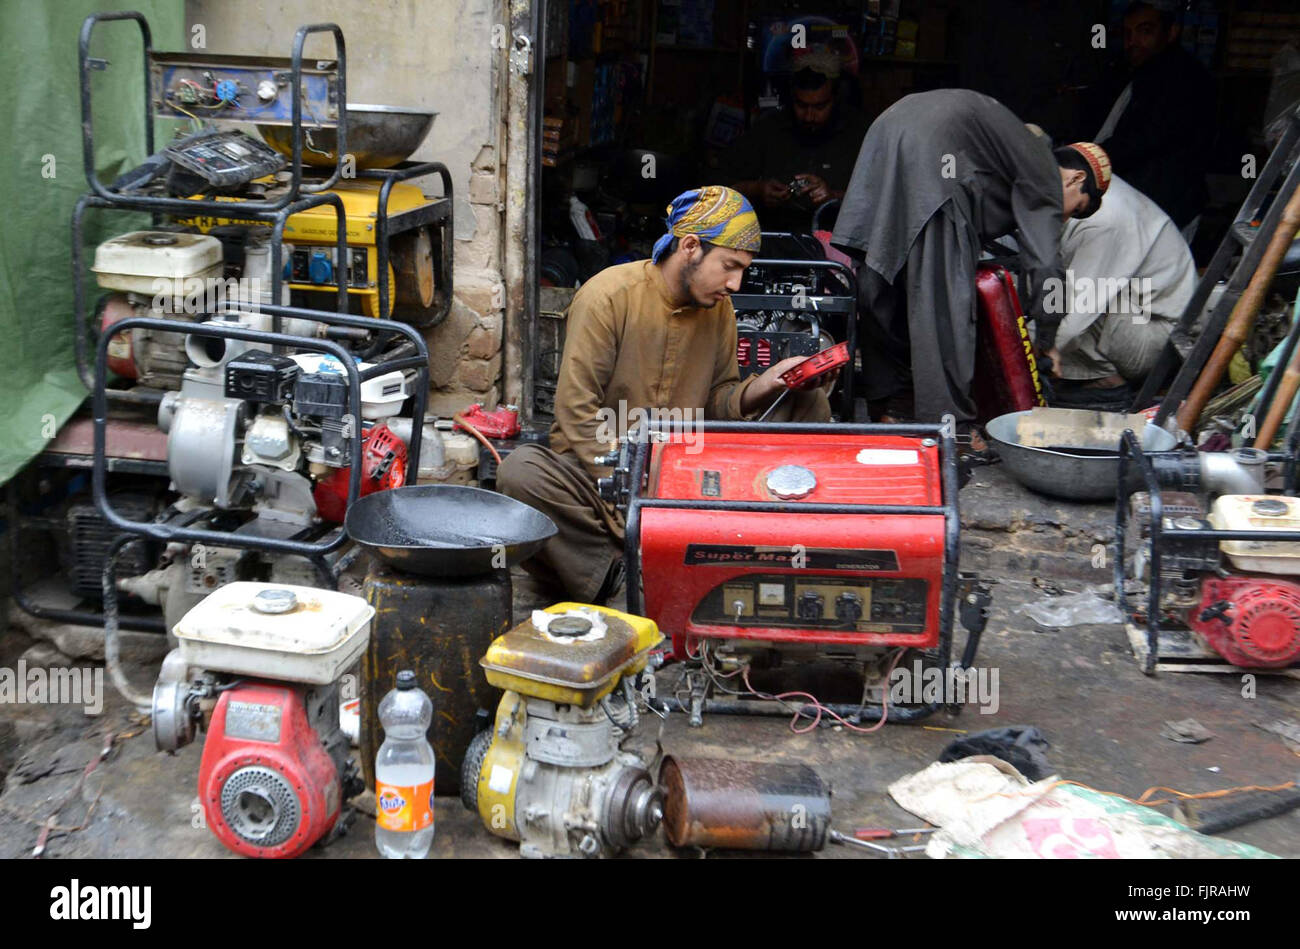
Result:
[
  {"x": 854, "y": 604},
  {"x": 318, "y": 265},
  {"x": 242, "y": 88}
]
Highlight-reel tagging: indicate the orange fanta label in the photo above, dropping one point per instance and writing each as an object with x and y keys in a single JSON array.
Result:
[{"x": 403, "y": 808}]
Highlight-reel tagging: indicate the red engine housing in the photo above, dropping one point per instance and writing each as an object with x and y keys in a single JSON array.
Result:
[
  {"x": 262, "y": 757},
  {"x": 383, "y": 466},
  {"x": 1008, "y": 378},
  {"x": 799, "y": 577},
  {"x": 121, "y": 357},
  {"x": 1260, "y": 620}
]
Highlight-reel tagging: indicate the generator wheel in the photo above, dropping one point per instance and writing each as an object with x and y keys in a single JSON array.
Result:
[{"x": 471, "y": 767}]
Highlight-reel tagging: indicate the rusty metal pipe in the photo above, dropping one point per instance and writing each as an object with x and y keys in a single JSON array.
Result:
[
  {"x": 744, "y": 805},
  {"x": 1243, "y": 315},
  {"x": 1282, "y": 400}
]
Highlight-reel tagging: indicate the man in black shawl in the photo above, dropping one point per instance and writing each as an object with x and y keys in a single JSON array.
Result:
[
  {"x": 940, "y": 173},
  {"x": 1159, "y": 133}
]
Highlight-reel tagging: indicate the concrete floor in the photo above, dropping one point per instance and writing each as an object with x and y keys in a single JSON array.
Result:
[{"x": 1080, "y": 686}]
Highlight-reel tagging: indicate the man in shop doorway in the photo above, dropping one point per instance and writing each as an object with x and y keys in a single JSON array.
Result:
[
  {"x": 793, "y": 161},
  {"x": 1160, "y": 130}
]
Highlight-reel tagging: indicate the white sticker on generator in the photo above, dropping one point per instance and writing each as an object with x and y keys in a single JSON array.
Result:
[
  {"x": 888, "y": 456},
  {"x": 499, "y": 779}
]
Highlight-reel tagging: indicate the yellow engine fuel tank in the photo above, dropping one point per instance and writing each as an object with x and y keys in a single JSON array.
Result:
[{"x": 571, "y": 663}]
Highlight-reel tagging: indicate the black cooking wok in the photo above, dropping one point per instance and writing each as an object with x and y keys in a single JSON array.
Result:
[{"x": 447, "y": 530}]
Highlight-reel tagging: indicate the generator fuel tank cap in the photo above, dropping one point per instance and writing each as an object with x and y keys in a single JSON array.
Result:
[
  {"x": 790, "y": 482},
  {"x": 275, "y": 601},
  {"x": 1270, "y": 507},
  {"x": 569, "y": 626}
]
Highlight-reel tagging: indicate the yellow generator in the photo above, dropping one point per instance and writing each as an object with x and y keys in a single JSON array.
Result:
[
  {"x": 552, "y": 772},
  {"x": 417, "y": 259}
]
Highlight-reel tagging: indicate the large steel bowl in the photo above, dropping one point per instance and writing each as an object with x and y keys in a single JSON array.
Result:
[
  {"x": 1087, "y": 476},
  {"x": 447, "y": 530},
  {"x": 379, "y": 136}
]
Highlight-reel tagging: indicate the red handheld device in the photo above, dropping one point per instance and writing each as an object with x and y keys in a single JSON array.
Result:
[{"x": 809, "y": 372}]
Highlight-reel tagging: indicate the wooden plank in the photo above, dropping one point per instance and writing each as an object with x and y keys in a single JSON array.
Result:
[{"x": 1181, "y": 650}]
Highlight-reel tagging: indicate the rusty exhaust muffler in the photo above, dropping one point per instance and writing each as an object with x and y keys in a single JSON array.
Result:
[{"x": 744, "y": 805}]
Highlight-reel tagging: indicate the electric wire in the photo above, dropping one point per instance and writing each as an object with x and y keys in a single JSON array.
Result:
[{"x": 812, "y": 703}]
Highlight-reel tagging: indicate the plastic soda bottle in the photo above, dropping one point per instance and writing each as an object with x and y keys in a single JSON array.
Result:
[{"x": 404, "y": 769}]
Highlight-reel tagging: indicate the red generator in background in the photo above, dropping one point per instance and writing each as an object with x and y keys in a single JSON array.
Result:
[
  {"x": 816, "y": 542},
  {"x": 1006, "y": 378}
]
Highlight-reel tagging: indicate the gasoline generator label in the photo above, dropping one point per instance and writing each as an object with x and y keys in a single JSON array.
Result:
[
  {"x": 404, "y": 808},
  {"x": 253, "y": 721},
  {"x": 796, "y": 557}
]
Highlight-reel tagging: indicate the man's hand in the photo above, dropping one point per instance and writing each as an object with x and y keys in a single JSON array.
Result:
[
  {"x": 769, "y": 385},
  {"x": 1054, "y": 356},
  {"x": 774, "y": 192},
  {"x": 814, "y": 188}
]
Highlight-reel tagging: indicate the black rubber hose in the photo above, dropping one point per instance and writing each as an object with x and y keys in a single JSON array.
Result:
[{"x": 112, "y": 646}]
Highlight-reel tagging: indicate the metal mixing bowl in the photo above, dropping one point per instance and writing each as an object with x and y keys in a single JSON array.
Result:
[
  {"x": 1081, "y": 477},
  {"x": 379, "y": 136}
]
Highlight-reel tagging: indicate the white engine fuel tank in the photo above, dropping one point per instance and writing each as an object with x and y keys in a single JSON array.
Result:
[{"x": 276, "y": 631}]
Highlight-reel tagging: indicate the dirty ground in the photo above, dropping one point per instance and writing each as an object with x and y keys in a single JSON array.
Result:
[{"x": 1079, "y": 686}]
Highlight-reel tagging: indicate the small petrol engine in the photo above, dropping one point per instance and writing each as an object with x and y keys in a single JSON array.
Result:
[
  {"x": 551, "y": 773},
  {"x": 258, "y": 668},
  {"x": 1252, "y": 616},
  {"x": 1240, "y": 597}
]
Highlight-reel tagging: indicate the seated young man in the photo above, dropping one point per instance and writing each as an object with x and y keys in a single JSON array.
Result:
[
  {"x": 1129, "y": 275},
  {"x": 651, "y": 334}
]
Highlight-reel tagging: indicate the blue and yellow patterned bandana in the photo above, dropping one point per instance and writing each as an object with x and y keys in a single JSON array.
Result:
[{"x": 716, "y": 214}]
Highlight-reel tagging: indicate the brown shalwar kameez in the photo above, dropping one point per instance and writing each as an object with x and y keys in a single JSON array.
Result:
[{"x": 627, "y": 343}]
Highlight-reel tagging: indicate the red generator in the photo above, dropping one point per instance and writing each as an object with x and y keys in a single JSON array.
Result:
[
  {"x": 1007, "y": 380},
  {"x": 813, "y": 542}
]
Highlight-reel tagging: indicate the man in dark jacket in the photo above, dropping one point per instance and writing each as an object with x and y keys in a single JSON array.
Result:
[
  {"x": 1161, "y": 128},
  {"x": 940, "y": 173},
  {"x": 791, "y": 162}
]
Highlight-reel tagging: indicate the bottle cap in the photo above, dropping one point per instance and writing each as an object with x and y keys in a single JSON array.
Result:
[{"x": 406, "y": 679}]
